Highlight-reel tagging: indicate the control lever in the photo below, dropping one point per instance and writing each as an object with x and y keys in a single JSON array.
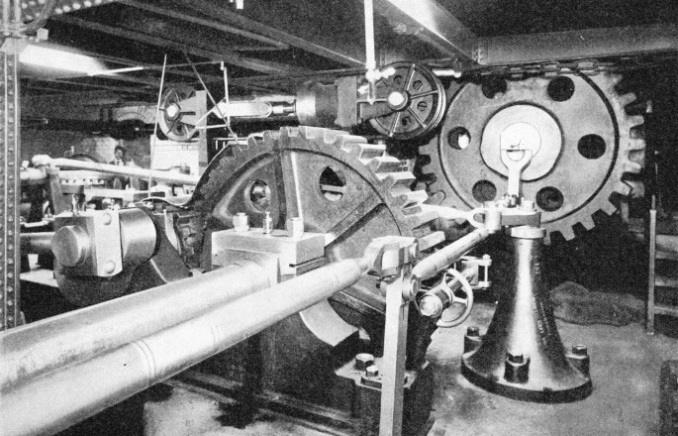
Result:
[{"x": 515, "y": 167}]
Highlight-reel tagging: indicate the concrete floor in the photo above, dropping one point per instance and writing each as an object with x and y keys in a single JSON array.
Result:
[{"x": 625, "y": 366}]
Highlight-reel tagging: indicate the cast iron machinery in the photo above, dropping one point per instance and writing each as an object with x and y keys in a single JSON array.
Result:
[
  {"x": 316, "y": 199},
  {"x": 585, "y": 146}
]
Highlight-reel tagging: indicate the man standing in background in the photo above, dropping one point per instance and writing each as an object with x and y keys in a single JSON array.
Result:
[{"x": 121, "y": 159}]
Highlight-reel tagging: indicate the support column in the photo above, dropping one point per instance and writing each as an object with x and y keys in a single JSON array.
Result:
[{"x": 10, "y": 188}]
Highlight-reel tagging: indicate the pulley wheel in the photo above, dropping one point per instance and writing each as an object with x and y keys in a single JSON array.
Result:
[
  {"x": 175, "y": 106},
  {"x": 413, "y": 101}
]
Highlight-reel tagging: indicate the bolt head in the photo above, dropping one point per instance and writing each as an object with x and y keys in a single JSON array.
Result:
[
  {"x": 515, "y": 358},
  {"x": 580, "y": 350},
  {"x": 364, "y": 361},
  {"x": 109, "y": 267},
  {"x": 473, "y": 331},
  {"x": 241, "y": 222},
  {"x": 372, "y": 371}
]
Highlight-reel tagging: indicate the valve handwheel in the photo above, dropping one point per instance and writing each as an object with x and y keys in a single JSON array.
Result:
[
  {"x": 412, "y": 100},
  {"x": 462, "y": 295}
]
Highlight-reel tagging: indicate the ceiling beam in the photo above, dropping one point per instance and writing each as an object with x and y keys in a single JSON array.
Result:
[
  {"x": 225, "y": 14},
  {"x": 577, "y": 44},
  {"x": 433, "y": 24},
  {"x": 138, "y": 91},
  {"x": 215, "y": 53},
  {"x": 274, "y": 43}
]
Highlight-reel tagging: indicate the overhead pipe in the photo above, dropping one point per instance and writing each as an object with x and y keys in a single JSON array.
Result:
[
  {"x": 577, "y": 44},
  {"x": 106, "y": 379},
  {"x": 143, "y": 173},
  {"x": 37, "y": 348}
]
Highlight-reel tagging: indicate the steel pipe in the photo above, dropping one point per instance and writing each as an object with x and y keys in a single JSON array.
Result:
[
  {"x": 39, "y": 347},
  {"x": 577, "y": 44},
  {"x": 143, "y": 173},
  {"x": 440, "y": 260},
  {"x": 36, "y": 243},
  {"x": 105, "y": 379}
]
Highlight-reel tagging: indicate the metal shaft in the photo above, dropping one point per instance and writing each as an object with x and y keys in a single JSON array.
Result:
[
  {"x": 105, "y": 379},
  {"x": 441, "y": 259},
  {"x": 161, "y": 176},
  {"x": 39, "y": 347},
  {"x": 36, "y": 243}
]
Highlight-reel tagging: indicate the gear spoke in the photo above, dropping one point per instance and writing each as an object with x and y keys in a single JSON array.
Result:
[
  {"x": 394, "y": 124},
  {"x": 410, "y": 78},
  {"x": 423, "y": 94},
  {"x": 415, "y": 116}
]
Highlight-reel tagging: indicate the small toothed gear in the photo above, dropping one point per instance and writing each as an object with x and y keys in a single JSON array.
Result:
[{"x": 584, "y": 145}]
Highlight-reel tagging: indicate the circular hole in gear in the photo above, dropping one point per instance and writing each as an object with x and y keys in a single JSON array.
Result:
[
  {"x": 459, "y": 138},
  {"x": 560, "y": 88},
  {"x": 591, "y": 146},
  {"x": 493, "y": 85},
  {"x": 332, "y": 184},
  {"x": 550, "y": 198},
  {"x": 417, "y": 85},
  {"x": 260, "y": 195},
  {"x": 422, "y": 106},
  {"x": 484, "y": 190}
]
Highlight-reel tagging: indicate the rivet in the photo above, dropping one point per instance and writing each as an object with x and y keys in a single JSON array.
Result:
[{"x": 109, "y": 267}]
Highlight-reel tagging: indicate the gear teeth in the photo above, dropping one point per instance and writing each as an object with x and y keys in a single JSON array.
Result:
[
  {"x": 627, "y": 99},
  {"x": 622, "y": 188},
  {"x": 608, "y": 208},
  {"x": 420, "y": 218},
  {"x": 613, "y": 81},
  {"x": 364, "y": 152},
  {"x": 567, "y": 232},
  {"x": 408, "y": 198},
  {"x": 634, "y": 144},
  {"x": 387, "y": 164},
  {"x": 392, "y": 172},
  {"x": 637, "y": 188},
  {"x": 632, "y": 167},
  {"x": 587, "y": 222},
  {"x": 634, "y": 121},
  {"x": 396, "y": 180}
]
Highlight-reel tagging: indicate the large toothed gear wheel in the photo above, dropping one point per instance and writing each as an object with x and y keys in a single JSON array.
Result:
[
  {"x": 583, "y": 142},
  {"x": 338, "y": 183}
]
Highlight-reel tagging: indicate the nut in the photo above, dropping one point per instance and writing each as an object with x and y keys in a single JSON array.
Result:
[
  {"x": 241, "y": 222},
  {"x": 295, "y": 228},
  {"x": 473, "y": 331},
  {"x": 580, "y": 350},
  {"x": 372, "y": 371},
  {"x": 364, "y": 361},
  {"x": 515, "y": 358}
]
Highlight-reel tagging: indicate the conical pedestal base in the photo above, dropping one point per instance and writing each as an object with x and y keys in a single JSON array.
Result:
[{"x": 521, "y": 356}]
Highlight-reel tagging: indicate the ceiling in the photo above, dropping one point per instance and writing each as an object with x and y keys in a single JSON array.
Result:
[{"x": 269, "y": 46}]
